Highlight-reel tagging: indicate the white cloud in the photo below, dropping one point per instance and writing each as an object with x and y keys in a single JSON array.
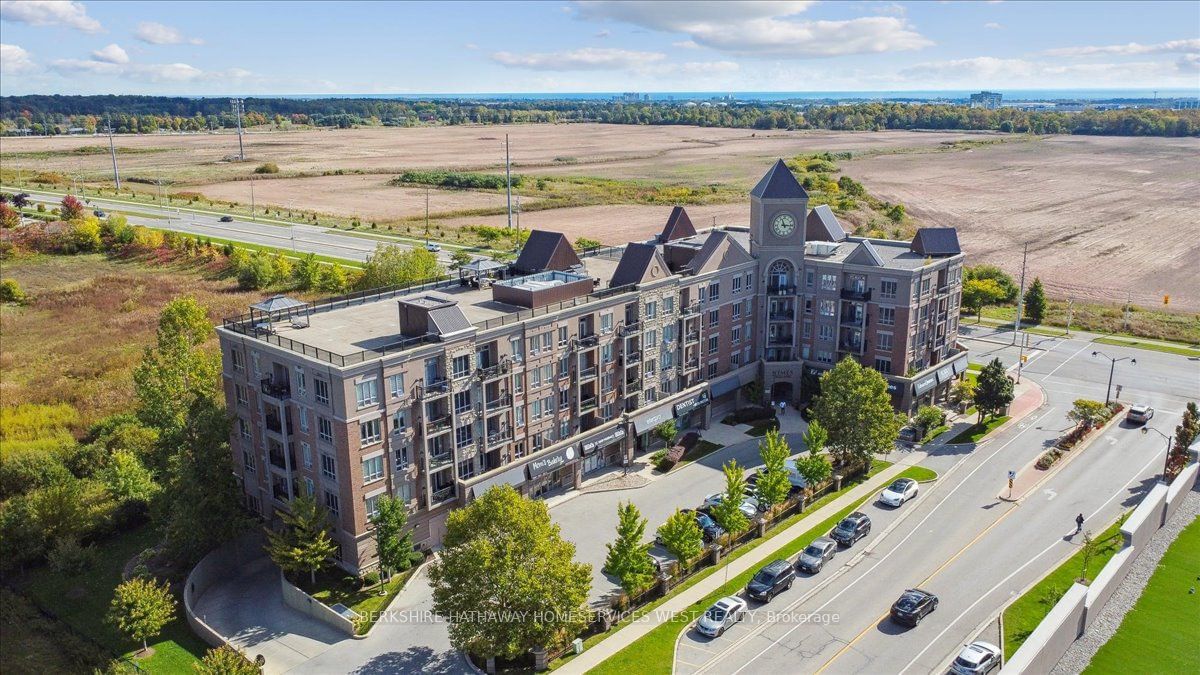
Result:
[
  {"x": 1188, "y": 63},
  {"x": 686, "y": 44},
  {"x": 49, "y": 13},
  {"x": 145, "y": 72},
  {"x": 763, "y": 28},
  {"x": 111, "y": 54},
  {"x": 1131, "y": 49},
  {"x": 15, "y": 60},
  {"x": 992, "y": 25},
  {"x": 162, "y": 34},
  {"x": 588, "y": 58},
  {"x": 472, "y": 46}
]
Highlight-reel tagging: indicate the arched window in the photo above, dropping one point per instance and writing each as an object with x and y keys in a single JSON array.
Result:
[{"x": 780, "y": 274}]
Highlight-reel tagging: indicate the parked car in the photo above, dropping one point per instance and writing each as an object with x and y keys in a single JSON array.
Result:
[
  {"x": 708, "y": 527},
  {"x": 1139, "y": 414},
  {"x": 749, "y": 505},
  {"x": 794, "y": 478},
  {"x": 914, "y": 605},
  {"x": 723, "y": 614},
  {"x": 977, "y": 658},
  {"x": 99, "y": 214},
  {"x": 771, "y": 580},
  {"x": 900, "y": 491},
  {"x": 852, "y": 528},
  {"x": 432, "y": 247},
  {"x": 815, "y": 555},
  {"x": 226, "y": 219}
]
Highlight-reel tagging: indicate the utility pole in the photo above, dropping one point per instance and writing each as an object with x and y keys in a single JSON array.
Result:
[
  {"x": 113, "y": 149},
  {"x": 1021, "y": 295},
  {"x": 508, "y": 182},
  {"x": 1021, "y": 356},
  {"x": 1070, "y": 313},
  {"x": 426, "y": 215},
  {"x": 1128, "y": 302},
  {"x": 253, "y": 213},
  {"x": 238, "y": 108}
]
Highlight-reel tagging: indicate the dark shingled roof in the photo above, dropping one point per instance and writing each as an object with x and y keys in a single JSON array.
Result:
[
  {"x": 864, "y": 254},
  {"x": 446, "y": 320},
  {"x": 822, "y": 225},
  {"x": 546, "y": 251},
  {"x": 636, "y": 259},
  {"x": 779, "y": 183},
  {"x": 936, "y": 241},
  {"x": 719, "y": 250},
  {"x": 679, "y": 226}
]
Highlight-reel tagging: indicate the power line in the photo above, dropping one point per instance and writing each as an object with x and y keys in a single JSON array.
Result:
[{"x": 238, "y": 108}]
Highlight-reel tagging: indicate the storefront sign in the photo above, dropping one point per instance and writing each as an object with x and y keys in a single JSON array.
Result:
[
  {"x": 893, "y": 387},
  {"x": 647, "y": 421},
  {"x": 924, "y": 384},
  {"x": 590, "y": 445},
  {"x": 945, "y": 374},
  {"x": 555, "y": 460},
  {"x": 689, "y": 404}
]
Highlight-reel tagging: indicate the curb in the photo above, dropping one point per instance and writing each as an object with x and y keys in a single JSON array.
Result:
[{"x": 1058, "y": 466}]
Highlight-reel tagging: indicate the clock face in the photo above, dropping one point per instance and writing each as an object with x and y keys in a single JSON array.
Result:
[{"x": 784, "y": 224}]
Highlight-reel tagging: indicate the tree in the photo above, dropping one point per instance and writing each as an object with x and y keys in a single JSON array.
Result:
[
  {"x": 815, "y": 437},
  {"x": 391, "y": 265},
  {"x": 993, "y": 390},
  {"x": 11, "y": 291},
  {"x": 628, "y": 558},
  {"x": 1008, "y": 287},
  {"x": 459, "y": 258},
  {"x": 141, "y": 608},
  {"x": 667, "y": 431},
  {"x": 1089, "y": 550},
  {"x": 127, "y": 480},
  {"x": 225, "y": 660},
  {"x": 728, "y": 513},
  {"x": 256, "y": 272},
  {"x": 979, "y": 293},
  {"x": 929, "y": 417},
  {"x": 1035, "y": 302},
  {"x": 502, "y": 558},
  {"x": 773, "y": 485},
  {"x": 1087, "y": 413},
  {"x": 307, "y": 273},
  {"x": 856, "y": 410},
  {"x": 333, "y": 279},
  {"x": 583, "y": 244},
  {"x": 1185, "y": 434},
  {"x": 281, "y": 267},
  {"x": 814, "y": 468},
  {"x": 393, "y": 543},
  {"x": 70, "y": 208},
  {"x": 682, "y": 536},
  {"x": 21, "y": 200},
  {"x": 304, "y": 545},
  {"x": 963, "y": 391},
  {"x": 9, "y": 217},
  {"x": 896, "y": 213}
]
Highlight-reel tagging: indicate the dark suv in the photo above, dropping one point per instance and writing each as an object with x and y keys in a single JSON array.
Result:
[
  {"x": 771, "y": 581},
  {"x": 852, "y": 528},
  {"x": 913, "y": 606}
]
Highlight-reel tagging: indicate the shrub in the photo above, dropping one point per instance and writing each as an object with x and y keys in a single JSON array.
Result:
[
  {"x": 929, "y": 417},
  {"x": 1048, "y": 459},
  {"x": 10, "y": 291},
  {"x": 69, "y": 557},
  {"x": 268, "y": 167},
  {"x": 370, "y": 579}
]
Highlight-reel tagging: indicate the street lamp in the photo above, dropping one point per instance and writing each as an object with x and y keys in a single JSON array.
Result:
[
  {"x": 1167, "y": 461},
  {"x": 1111, "y": 368}
]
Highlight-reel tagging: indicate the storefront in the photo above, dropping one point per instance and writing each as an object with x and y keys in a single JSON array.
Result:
[
  {"x": 693, "y": 411},
  {"x": 514, "y": 476},
  {"x": 645, "y": 423},
  {"x": 553, "y": 471},
  {"x": 923, "y": 387},
  {"x": 603, "y": 449}
]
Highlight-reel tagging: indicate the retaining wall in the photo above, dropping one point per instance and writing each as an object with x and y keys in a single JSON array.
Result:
[
  {"x": 1050, "y": 640},
  {"x": 303, "y": 602},
  {"x": 1179, "y": 489},
  {"x": 1102, "y": 587},
  {"x": 218, "y": 564},
  {"x": 1146, "y": 518}
]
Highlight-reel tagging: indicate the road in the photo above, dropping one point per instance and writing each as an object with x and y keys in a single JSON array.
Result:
[{"x": 958, "y": 539}]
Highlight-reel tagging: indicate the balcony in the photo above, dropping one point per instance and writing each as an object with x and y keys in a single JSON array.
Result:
[
  {"x": 630, "y": 328},
  {"x": 490, "y": 372},
  {"x": 782, "y": 315},
  {"x": 631, "y": 359},
  {"x": 853, "y": 320},
  {"x": 690, "y": 311},
  {"x": 781, "y": 290},
  {"x": 272, "y": 423},
  {"x": 857, "y": 294},
  {"x": 587, "y": 404},
  {"x": 780, "y": 340},
  {"x": 495, "y": 438},
  {"x": 440, "y": 459},
  {"x": 437, "y": 425},
  {"x": 442, "y": 495},
  {"x": 589, "y": 341},
  {"x": 502, "y": 401},
  {"x": 855, "y": 346},
  {"x": 435, "y": 389},
  {"x": 588, "y": 373},
  {"x": 692, "y": 337},
  {"x": 694, "y": 364},
  {"x": 280, "y": 461},
  {"x": 279, "y": 390},
  {"x": 279, "y": 492}
]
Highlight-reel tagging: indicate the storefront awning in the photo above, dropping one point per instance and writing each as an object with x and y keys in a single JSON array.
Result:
[
  {"x": 513, "y": 476},
  {"x": 691, "y": 403},
  {"x": 960, "y": 365},
  {"x": 945, "y": 373},
  {"x": 924, "y": 384},
  {"x": 725, "y": 386},
  {"x": 648, "y": 420},
  {"x": 601, "y": 440},
  {"x": 555, "y": 460}
]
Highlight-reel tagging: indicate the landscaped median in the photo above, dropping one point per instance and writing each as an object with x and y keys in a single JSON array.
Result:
[
  {"x": 368, "y": 602},
  {"x": 654, "y": 650}
]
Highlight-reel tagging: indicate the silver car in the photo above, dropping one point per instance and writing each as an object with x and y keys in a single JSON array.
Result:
[
  {"x": 977, "y": 658},
  {"x": 726, "y": 612},
  {"x": 815, "y": 555}
]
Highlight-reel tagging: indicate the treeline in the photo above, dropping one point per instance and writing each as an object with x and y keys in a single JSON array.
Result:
[{"x": 39, "y": 114}]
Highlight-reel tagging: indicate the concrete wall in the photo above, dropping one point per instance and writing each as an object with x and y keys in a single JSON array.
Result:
[
  {"x": 1183, "y": 484},
  {"x": 1050, "y": 640},
  {"x": 303, "y": 602},
  {"x": 1104, "y": 583},
  {"x": 1146, "y": 518},
  {"x": 218, "y": 564}
]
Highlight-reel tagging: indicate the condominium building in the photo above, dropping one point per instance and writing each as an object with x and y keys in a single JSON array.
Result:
[{"x": 540, "y": 372}]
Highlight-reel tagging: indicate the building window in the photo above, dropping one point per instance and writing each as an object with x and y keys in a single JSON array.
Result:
[
  {"x": 321, "y": 391},
  {"x": 402, "y": 457},
  {"x": 887, "y": 316},
  {"x": 564, "y": 399},
  {"x": 306, "y": 454},
  {"x": 669, "y": 304},
  {"x": 564, "y": 366},
  {"x": 372, "y": 469},
  {"x": 748, "y": 280},
  {"x": 669, "y": 334},
  {"x": 808, "y": 278},
  {"x": 236, "y": 358},
  {"x": 244, "y": 428},
  {"x": 461, "y": 366},
  {"x": 331, "y": 503},
  {"x": 805, "y": 352},
  {"x": 301, "y": 381},
  {"x": 736, "y": 335},
  {"x": 564, "y": 429},
  {"x": 712, "y": 370},
  {"x": 324, "y": 430},
  {"x": 515, "y": 345},
  {"x": 651, "y": 309},
  {"x": 369, "y": 432},
  {"x": 367, "y": 393},
  {"x": 824, "y": 356},
  {"x": 562, "y": 336},
  {"x": 714, "y": 317},
  {"x": 371, "y": 506},
  {"x": 606, "y": 354},
  {"x": 884, "y": 342},
  {"x": 829, "y": 282},
  {"x": 828, "y": 307},
  {"x": 396, "y": 385},
  {"x": 887, "y": 289},
  {"x": 519, "y": 413},
  {"x": 248, "y": 460},
  {"x": 606, "y": 323},
  {"x": 713, "y": 341},
  {"x": 535, "y": 409},
  {"x": 737, "y": 311},
  {"x": 547, "y": 339},
  {"x": 735, "y": 359},
  {"x": 825, "y": 332},
  {"x": 714, "y": 291},
  {"x": 535, "y": 346},
  {"x": 924, "y": 286},
  {"x": 606, "y": 412},
  {"x": 399, "y": 421},
  {"x": 328, "y": 467},
  {"x": 463, "y": 436},
  {"x": 606, "y": 382},
  {"x": 462, "y": 401},
  {"x": 807, "y": 329},
  {"x": 883, "y": 365},
  {"x": 808, "y": 305},
  {"x": 737, "y": 284},
  {"x": 239, "y": 392},
  {"x": 310, "y": 489},
  {"x": 535, "y": 378}
]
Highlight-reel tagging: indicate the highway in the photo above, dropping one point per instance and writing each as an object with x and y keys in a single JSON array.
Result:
[{"x": 958, "y": 539}]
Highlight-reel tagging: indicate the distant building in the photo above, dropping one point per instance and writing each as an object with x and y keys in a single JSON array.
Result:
[{"x": 986, "y": 99}]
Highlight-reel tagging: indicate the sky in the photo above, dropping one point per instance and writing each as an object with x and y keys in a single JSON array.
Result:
[{"x": 260, "y": 48}]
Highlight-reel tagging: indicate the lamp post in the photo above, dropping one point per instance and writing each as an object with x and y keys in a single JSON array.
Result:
[
  {"x": 1167, "y": 460},
  {"x": 1112, "y": 367}
]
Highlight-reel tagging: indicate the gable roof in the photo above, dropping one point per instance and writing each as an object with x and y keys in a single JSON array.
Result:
[
  {"x": 446, "y": 320},
  {"x": 678, "y": 226},
  {"x": 719, "y": 250},
  {"x": 822, "y": 225},
  {"x": 864, "y": 254},
  {"x": 546, "y": 250},
  {"x": 779, "y": 183},
  {"x": 936, "y": 241},
  {"x": 638, "y": 262}
]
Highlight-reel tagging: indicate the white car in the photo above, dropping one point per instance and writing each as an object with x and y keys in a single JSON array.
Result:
[
  {"x": 432, "y": 247},
  {"x": 900, "y": 491},
  {"x": 977, "y": 658},
  {"x": 749, "y": 505},
  {"x": 1139, "y": 414},
  {"x": 726, "y": 612}
]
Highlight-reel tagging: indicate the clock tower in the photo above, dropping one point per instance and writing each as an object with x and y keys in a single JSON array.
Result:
[{"x": 778, "y": 209}]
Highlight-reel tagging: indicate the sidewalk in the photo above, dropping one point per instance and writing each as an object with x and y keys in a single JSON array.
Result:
[{"x": 631, "y": 632}]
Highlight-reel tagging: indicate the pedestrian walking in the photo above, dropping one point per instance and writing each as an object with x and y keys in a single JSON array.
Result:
[{"x": 1079, "y": 523}]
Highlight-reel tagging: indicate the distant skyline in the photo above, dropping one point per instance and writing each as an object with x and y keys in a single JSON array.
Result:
[{"x": 265, "y": 48}]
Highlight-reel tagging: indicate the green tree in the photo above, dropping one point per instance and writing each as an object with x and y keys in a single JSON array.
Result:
[
  {"x": 814, "y": 468},
  {"x": 682, "y": 536},
  {"x": 391, "y": 265},
  {"x": 1087, "y": 413},
  {"x": 256, "y": 272},
  {"x": 1008, "y": 287},
  {"x": 979, "y": 293},
  {"x": 628, "y": 558},
  {"x": 896, "y": 213},
  {"x": 667, "y": 431},
  {"x": 963, "y": 391},
  {"x": 815, "y": 437},
  {"x": 728, "y": 513},
  {"x": 459, "y": 258},
  {"x": 141, "y": 609},
  {"x": 127, "y": 480},
  {"x": 1035, "y": 302},
  {"x": 10, "y": 291},
  {"x": 393, "y": 542},
  {"x": 993, "y": 390},
  {"x": 856, "y": 410},
  {"x": 225, "y": 660},
  {"x": 307, "y": 273},
  {"x": 84, "y": 235},
  {"x": 503, "y": 557},
  {"x": 773, "y": 484},
  {"x": 281, "y": 267},
  {"x": 333, "y": 279},
  {"x": 929, "y": 417},
  {"x": 304, "y": 545}
]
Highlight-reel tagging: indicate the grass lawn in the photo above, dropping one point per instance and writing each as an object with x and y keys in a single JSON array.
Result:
[
  {"x": 34, "y": 643},
  {"x": 976, "y": 432},
  {"x": 935, "y": 432},
  {"x": 654, "y": 651},
  {"x": 82, "y": 603},
  {"x": 702, "y": 449},
  {"x": 1027, "y": 611},
  {"x": 1152, "y": 346},
  {"x": 920, "y": 474},
  {"x": 1156, "y": 632},
  {"x": 338, "y": 587}
]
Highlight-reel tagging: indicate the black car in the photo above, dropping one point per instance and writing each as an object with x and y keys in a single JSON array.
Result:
[
  {"x": 99, "y": 214},
  {"x": 226, "y": 219},
  {"x": 712, "y": 531},
  {"x": 816, "y": 554},
  {"x": 913, "y": 606},
  {"x": 852, "y": 528},
  {"x": 771, "y": 581}
]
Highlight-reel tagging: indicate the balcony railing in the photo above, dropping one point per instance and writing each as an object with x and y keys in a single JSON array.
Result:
[
  {"x": 631, "y": 358},
  {"x": 588, "y": 373},
  {"x": 631, "y": 328},
  {"x": 589, "y": 341},
  {"x": 780, "y": 340},
  {"x": 692, "y": 337},
  {"x": 497, "y": 437},
  {"x": 781, "y": 290},
  {"x": 502, "y": 401},
  {"x": 783, "y": 315},
  {"x": 439, "y": 460},
  {"x": 280, "y": 390},
  {"x": 273, "y": 424},
  {"x": 435, "y": 389},
  {"x": 856, "y": 294},
  {"x": 853, "y": 320},
  {"x": 442, "y": 495},
  {"x": 587, "y": 404},
  {"x": 437, "y": 425},
  {"x": 689, "y": 311},
  {"x": 694, "y": 364},
  {"x": 489, "y": 372},
  {"x": 850, "y": 346}
]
